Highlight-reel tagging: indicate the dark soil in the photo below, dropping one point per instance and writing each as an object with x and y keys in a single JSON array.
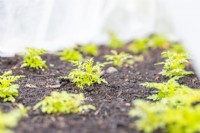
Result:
[{"x": 112, "y": 100}]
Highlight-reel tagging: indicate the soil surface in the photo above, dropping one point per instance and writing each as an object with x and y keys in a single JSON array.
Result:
[{"x": 112, "y": 100}]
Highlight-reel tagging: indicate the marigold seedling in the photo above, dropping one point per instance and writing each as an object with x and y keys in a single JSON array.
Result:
[
  {"x": 65, "y": 103},
  {"x": 86, "y": 74},
  {"x": 89, "y": 49},
  {"x": 174, "y": 65},
  {"x": 119, "y": 59},
  {"x": 8, "y": 90},
  {"x": 167, "y": 117},
  {"x": 139, "y": 46},
  {"x": 115, "y": 42},
  {"x": 158, "y": 41},
  {"x": 32, "y": 59},
  {"x": 167, "y": 89},
  {"x": 10, "y": 120},
  {"x": 70, "y": 54},
  {"x": 177, "y": 48}
]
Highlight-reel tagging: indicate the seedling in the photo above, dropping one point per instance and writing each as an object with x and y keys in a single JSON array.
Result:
[
  {"x": 119, "y": 59},
  {"x": 32, "y": 59},
  {"x": 65, "y": 103},
  {"x": 115, "y": 42},
  {"x": 158, "y": 41},
  {"x": 8, "y": 90},
  {"x": 167, "y": 89},
  {"x": 89, "y": 49},
  {"x": 70, "y": 54},
  {"x": 168, "y": 117},
  {"x": 139, "y": 46},
  {"x": 86, "y": 74},
  {"x": 177, "y": 48},
  {"x": 174, "y": 65},
  {"x": 10, "y": 120}
]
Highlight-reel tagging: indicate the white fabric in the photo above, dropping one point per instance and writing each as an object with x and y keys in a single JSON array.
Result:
[{"x": 54, "y": 24}]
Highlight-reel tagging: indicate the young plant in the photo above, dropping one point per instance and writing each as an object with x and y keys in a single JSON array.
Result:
[
  {"x": 177, "y": 48},
  {"x": 167, "y": 117},
  {"x": 139, "y": 46},
  {"x": 10, "y": 120},
  {"x": 32, "y": 59},
  {"x": 70, "y": 54},
  {"x": 118, "y": 59},
  {"x": 8, "y": 90},
  {"x": 89, "y": 49},
  {"x": 115, "y": 42},
  {"x": 65, "y": 103},
  {"x": 174, "y": 65},
  {"x": 86, "y": 74},
  {"x": 167, "y": 89},
  {"x": 158, "y": 41}
]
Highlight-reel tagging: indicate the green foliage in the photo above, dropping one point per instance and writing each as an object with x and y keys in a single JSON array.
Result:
[
  {"x": 174, "y": 65},
  {"x": 86, "y": 74},
  {"x": 178, "y": 48},
  {"x": 158, "y": 41},
  {"x": 10, "y": 120},
  {"x": 32, "y": 59},
  {"x": 65, "y": 103},
  {"x": 115, "y": 42},
  {"x": 118, "y": 59},
  {"x": 89, "y": 49},
  {"x": 70, "y": 54},
  {"x": 170, "y": 118},
  {"x": 139, "y": 46},
  {"x": 167, "y": 89},
  {"x": 8, "y": 90}
]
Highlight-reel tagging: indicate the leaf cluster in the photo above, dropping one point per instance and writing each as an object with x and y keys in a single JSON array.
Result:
[
  {"x": 119, "y": 59},
  {"x": 86, "y": 74},
  {"x": 32, "y": 59},
  {"x": 10, "y": 120},
  {"x": 63, "y": 102},
  {"x": 174, "y": 65},
  {"x": 143, "y": 44},
  {"x": 177, "y": 48},
  {"x": 115, "y": 42},
  {"x": 173, "y": 115},
  {"x": 139, "y": 45},
  {"x": 89, "y": 49},
  {"x": 158, "y": 41},
  {"x": 70, "y": 54},
  {"x": 167, "y": 89},
  {"x": 8, "y": 90}
]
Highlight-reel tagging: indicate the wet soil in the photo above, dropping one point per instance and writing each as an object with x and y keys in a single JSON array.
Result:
[{"x": 112, "y": 100}]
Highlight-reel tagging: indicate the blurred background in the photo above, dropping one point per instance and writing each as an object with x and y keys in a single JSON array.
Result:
[
  {"x": 57, "y": 24},
  {"x": 54, "y": 24}
]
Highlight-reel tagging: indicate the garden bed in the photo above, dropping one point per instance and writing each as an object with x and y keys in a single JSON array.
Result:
[{"x": 112, "y": 100}]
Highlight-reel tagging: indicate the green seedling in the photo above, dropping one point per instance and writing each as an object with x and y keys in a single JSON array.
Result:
[
  {"x": 70, "y": 54},
  {"x": 89, "y": 49},
  {"x": 32, "y": 59},
  {"x": 119, "y": 59},
  {"x": 168, "y": 115},
  {"x": 8, "y": 90},
  {"x": 167, "y": 89},
  {"x": 158, "y": 41},
  {"x": 64, "y": 103},
  {"x": 174, "y": 65},
  {"x": 178, "y": 48},
  {"x": 11, "y": 119},
  {"x": 139, "y": 46},
  {"x": 86, "y": 74},
  {"x": 115, "y": 42}
]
